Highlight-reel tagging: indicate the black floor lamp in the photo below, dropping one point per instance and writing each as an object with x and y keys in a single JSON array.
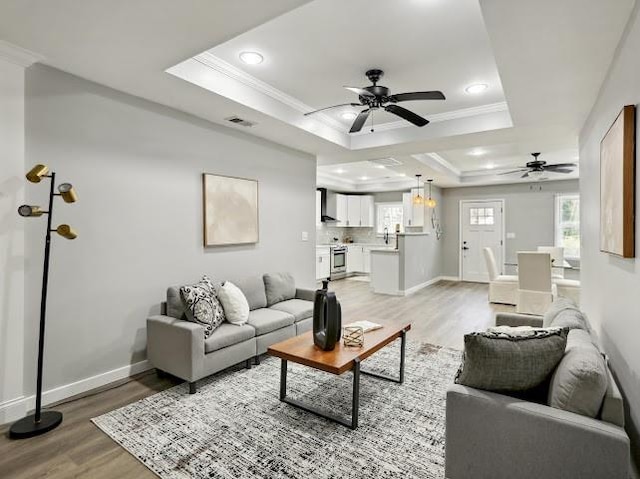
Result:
[{"x": 40, "y": 422}]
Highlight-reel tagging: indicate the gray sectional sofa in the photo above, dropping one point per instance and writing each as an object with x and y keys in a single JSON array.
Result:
[
  {"x": 496, "y": 436},
  {"x": 178, "y": 347}
]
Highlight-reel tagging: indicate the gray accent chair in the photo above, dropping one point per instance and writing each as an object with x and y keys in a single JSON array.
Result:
[
  {"x": 491, "y": 435},
  {"x": 177, "y": 346}
]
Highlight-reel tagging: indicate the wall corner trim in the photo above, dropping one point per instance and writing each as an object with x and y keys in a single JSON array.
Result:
[{"x": 18, "y": 55}]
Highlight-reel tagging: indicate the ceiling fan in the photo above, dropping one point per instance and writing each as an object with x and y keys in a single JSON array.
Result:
[
  {"x": 536, "y": 168},
  {"x": 374, "y": 97}
]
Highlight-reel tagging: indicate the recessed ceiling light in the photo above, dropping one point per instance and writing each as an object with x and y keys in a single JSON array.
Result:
[
  {"x": 402, "y": 174},
  {"x": 339, "y": 171},
  {"x": 251, "y": 58},
  {"x": 490, "y": 166},
  {"x": 349, "y": 115},
  {"x": 476, "y": 88},
  {"x": 364, "y": 178},
  {"x": 381, "y": 167},
  {"x": 477, "y": 152}
]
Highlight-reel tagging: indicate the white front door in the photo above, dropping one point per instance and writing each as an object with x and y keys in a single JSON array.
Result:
[{"x": 481, "y": 227}]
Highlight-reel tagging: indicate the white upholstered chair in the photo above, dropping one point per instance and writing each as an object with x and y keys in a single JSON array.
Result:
[
  {"x": 535, "y": 289},
  {"x": 502, "y": 288}
]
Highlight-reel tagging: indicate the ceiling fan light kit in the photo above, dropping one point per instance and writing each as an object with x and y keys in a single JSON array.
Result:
[
  {"x": 378, "y": 97},
  {"x": 537, "y": 169}
]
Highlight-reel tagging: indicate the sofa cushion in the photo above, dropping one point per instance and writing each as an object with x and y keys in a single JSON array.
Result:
[
  {"x": 580, "y": 381},
  {"x": 279, "y": 287},
  {"x": 506, "y": 361},
  {"x": 560, "y": 304},
  {"x": 228, "y": 334},
  {"x": 570, "y": 318},
  {"x": 265, "y": 320},
  {"x": 236, "y": 307},
  {"x": 175, "y": 305},
  {"x": 253, "y": 289},
  {"x": 202, "y": 305},
  {"x": 299, "y": 308}
]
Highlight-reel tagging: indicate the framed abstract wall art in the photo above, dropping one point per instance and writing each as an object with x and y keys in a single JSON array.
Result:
[
  {"x": 617, "y": 186},
  {"x": 230, "y": 210}
]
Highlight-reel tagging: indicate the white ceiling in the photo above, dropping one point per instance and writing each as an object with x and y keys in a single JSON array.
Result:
[
  {"x": 312, "y": 52},
  {"x": 544, "y": 62}
]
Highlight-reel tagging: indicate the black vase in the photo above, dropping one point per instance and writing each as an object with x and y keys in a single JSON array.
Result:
[{"x": 327, "y": 319}]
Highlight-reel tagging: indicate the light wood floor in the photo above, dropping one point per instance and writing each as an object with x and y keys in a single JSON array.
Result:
[{"x": 440, "y": 314}]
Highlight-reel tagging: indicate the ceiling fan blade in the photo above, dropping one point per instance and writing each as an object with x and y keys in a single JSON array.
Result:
[
  {"x": 410, "y": 116},
  {"x": 525, "y": 175},
  {"x": 329, "y": 107},
  {"x": 417, "y": 95},
  {"x": 560, "y": 165},
  {"x": 520, "y": 170},
  {"x": 561, "y": 170},
  {"x": 360, "y": 121},
  {"x": 359, "y": 91}
]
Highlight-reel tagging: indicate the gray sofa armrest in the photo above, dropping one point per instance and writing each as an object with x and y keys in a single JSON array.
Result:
[
  {"x": 516, "y": 319},
  {"x": 176, "y": 346},
  {"x": 494, "y": 436},
  {"x": 306, "y": 294}
]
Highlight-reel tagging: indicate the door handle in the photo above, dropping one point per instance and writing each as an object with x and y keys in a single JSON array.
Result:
[{"x": 465, "y": 247}]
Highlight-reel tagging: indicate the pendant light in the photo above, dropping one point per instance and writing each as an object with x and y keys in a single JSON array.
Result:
[
  {"x": 431, "y": 203},
  {"x": 418, "y": 199}
]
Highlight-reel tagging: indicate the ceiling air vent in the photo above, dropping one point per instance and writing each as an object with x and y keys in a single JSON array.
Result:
[
  {"x": 386, "y": 162},
  {"x": 239, "y": 121}
]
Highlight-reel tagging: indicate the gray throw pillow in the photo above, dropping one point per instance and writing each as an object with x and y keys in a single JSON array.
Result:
[
  {"x": 279, "y": 287},
  {"x": 505, "y": 361},
  {"x": 202, "y": 305},
  {"x": 580, "y": 381},
  {"x": 560, "y": 304}
]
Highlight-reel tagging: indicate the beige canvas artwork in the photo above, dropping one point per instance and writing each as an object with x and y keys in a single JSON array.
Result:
[
  {"x": 617, "y": 185},
  {"x": 230, "y": 210}
]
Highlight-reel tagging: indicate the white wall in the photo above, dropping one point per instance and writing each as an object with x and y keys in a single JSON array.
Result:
[
  {"x": 529, "y": 213},
  {"x": 12, "y": 182},
  {"x": 137, "y": 169},
  {"x": 610, "y": 284}
]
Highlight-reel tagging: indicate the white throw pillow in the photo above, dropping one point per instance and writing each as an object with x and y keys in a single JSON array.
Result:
[{"x": 236, "y": 307}]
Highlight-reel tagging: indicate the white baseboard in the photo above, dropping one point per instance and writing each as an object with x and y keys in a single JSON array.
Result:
[
  {"x": 449, "y": 278},
  {"x": 420, "y": 286},
  {"x": 16, "y": 408}
]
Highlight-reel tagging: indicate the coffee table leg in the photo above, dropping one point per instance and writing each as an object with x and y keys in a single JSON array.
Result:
[
  {"x": 400, "y": 379},
  {"x": 402, "y": 349},
  {"x": 355, "y": 404},
  {"x": 283, "y": 379}
]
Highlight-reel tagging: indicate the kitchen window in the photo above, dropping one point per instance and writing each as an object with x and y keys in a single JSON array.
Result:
[
  {"x": 567, "y": 224},
  {"x": 388, "y": 215}
]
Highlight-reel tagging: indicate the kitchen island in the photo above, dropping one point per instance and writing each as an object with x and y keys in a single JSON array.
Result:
[{"x": 404, "y": 270}]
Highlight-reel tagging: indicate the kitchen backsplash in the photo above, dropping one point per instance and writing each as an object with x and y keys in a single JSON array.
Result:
[{"x": 325, "y": 234}]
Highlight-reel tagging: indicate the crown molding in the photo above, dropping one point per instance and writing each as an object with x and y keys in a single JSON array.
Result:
[
  {"x": 444, "y": 116},
  {"x": 441, "y": 164},
  {"x": 215, "y": 63},
  {"x": 18, "y": 55}
]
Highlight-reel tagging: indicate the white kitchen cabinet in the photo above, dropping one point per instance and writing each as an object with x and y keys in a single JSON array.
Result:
[
  {"x": 413, "y": 215},
  {"x": 354, "y": 259},
  {"x": 366, "y": 260},
  {"x": 323, "y": 263},
  {"x": 353, "y": 211},
  {"x": 342, "y": 207},
  {"x": 366, "y": 210},
  {"x": 318, "y": 208}
]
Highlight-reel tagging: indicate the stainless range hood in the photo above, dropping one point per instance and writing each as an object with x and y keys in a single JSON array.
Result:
[{"x": 324, "y": 214}]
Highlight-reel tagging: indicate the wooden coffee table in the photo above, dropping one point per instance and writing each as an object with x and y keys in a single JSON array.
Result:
[{"x": 343, "y": 358}]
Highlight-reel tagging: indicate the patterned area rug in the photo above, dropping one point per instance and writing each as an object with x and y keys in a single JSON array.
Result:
[{"x": 235, "y": 426}]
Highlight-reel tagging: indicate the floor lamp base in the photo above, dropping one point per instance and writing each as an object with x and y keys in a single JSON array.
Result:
[{"x": 28, "y": 427}]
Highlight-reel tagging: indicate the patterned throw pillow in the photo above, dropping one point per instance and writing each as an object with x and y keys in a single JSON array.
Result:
[
  {"x": 506, "y": 360},
  {"x": 202, "y": 305}
]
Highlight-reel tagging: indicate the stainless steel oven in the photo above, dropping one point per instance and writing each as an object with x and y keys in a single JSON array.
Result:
[{"x": 338, "y": 262}]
